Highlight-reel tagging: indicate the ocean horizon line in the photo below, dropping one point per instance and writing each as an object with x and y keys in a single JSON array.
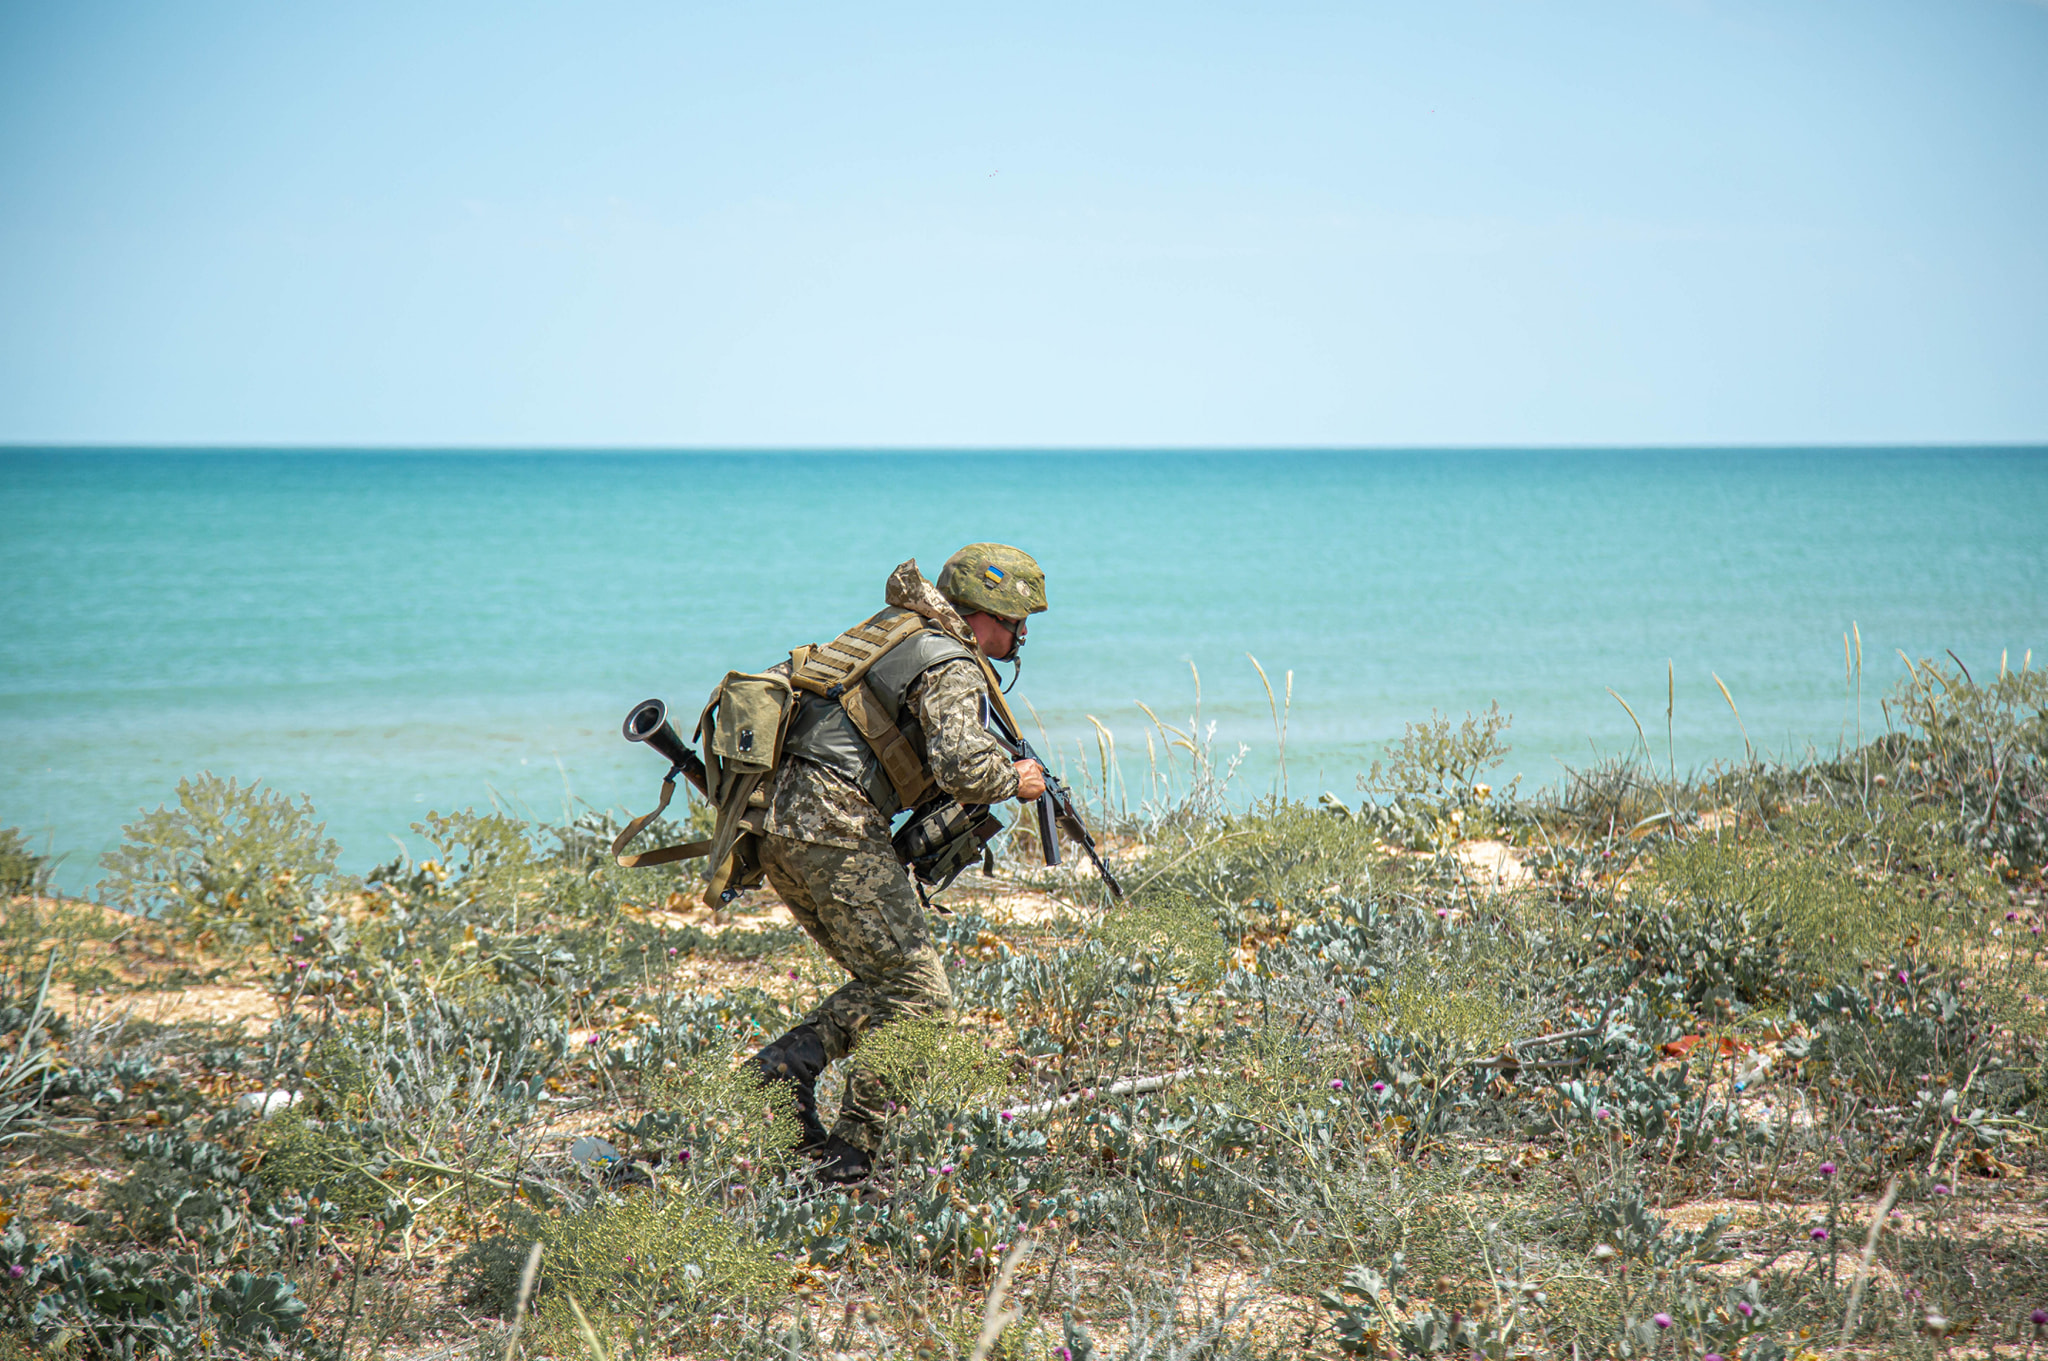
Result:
[{"x": 238, "y": 447}]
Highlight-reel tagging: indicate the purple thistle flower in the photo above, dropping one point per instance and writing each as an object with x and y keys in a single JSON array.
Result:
[
  {"x": 1745, "y": 1308},
  {"x": 1661, "y": 1320},
  {"x": 1902, "y": 976},
  {"x": 2039, "y": 1318},
  {"x": 1336, "y": 1084},
  {"x": 1006, "y": 1117},
  {"x": 1378, "y": 1087},
  {"x": 946, "y": 1171},
  {"x": 1712, "y": 1356},
  {"x": 17, "y": 1271},
  {"x": 1941, "y": 1189},
  {"x": 1820, "y": 1235},
  {"x": 1827, "y": 1169}
]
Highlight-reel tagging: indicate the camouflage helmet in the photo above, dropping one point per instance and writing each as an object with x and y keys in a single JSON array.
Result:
[{"x": 995, "y": 579}]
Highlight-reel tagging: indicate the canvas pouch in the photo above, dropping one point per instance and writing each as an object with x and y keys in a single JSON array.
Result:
[{"x": 752, "y": 716}]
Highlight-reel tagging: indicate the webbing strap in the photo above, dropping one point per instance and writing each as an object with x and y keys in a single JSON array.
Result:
[
  {"x": 688, "y": 850},
  {"x": 685, "y": 851},
  {"x": 995, "y": 693},
  {"x": 738, "y": 867},
  {"x": 899, "y": 759},
  {"x": 837, "y": 671}
]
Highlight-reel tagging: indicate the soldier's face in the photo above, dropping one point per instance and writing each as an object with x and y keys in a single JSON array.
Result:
[{"x": 999, "y": 638}]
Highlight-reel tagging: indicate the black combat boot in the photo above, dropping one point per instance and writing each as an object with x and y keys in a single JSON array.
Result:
[
  {"x": 840, "y": 1163},
  {"x": 797, "y": 1059}
]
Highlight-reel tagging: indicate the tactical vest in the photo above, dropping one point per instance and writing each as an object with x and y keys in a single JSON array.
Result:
[
  {"x": 843, "y": 706},
  {"x": 852, "y": 715}
]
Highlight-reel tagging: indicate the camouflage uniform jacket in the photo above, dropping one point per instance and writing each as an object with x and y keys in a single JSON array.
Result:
[{"x": 811, "y": 803}]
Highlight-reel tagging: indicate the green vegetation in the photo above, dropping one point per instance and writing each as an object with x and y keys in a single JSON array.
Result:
[
  {"x": 235, "y": 864},
  {"x": 1328, "y": 1085},
  {"x": 22, "y": 871}
]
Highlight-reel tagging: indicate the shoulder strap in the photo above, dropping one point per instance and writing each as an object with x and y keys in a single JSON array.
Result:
[
  {"x": 995, "y": 693},
  {"x": 912, "y": 782},
  {"x": 685, "y": 851},
  {"x": 838, "y": 670}
]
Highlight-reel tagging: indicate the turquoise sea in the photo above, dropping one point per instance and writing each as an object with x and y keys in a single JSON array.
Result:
[{"x": 392, "y": 632}]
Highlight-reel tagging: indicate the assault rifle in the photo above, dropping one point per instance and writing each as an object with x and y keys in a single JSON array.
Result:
[{"x": 1056, "y": 808}]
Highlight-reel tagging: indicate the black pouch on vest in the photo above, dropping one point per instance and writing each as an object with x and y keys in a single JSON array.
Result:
[{"x": 944, "y": 837}]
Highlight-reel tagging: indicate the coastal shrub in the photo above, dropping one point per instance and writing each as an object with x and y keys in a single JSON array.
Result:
[
  {"x": 143, "y": 1304},
  {"x": 1511, "y": 1286},
  {"x": 1426, "y": 785},
  {"x": 440, "y": 1066},
  {"x": 233, "y": 863},
  {"x": 932, "y": 1058},
  {"x": 21, "y": 869},
  {"x": 1173, "y": 933},
  {"x": 479, "y": 859},
  {"x": 1438, "y": 764},
  {"x": 1835, "y": 886},
  {"x": 648, "y": 1257},
  {"x": 642, "y": 1258},
  {"x": 1260, "y": 872},
  {"x": 1985, "y": 746}
]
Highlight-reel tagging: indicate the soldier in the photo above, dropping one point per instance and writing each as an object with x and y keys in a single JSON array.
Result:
[{"x": 825, "y": 845}]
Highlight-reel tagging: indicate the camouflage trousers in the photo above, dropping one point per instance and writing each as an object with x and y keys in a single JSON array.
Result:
[{"x": 860, "y": 907}]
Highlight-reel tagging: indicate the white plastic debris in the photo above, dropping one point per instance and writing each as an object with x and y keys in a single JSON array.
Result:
[
  {"x": 591, "y": 1149},
  {"x": 266, "y": 1104},
  {"x": 1752, "y": 1068}
]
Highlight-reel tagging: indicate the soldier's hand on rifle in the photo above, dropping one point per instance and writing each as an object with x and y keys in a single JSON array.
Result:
[{"x": 1030, "y": 780}]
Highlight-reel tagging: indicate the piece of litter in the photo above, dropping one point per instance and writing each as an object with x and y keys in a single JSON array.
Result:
[
  {"x": 263, "y": 1105},
  {"x": 591, "y": 1150}
]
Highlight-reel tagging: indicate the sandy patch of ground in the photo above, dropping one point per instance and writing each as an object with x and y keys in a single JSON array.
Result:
[
  {"x": 1494, "y": 863},
  {"x": 247, "y": 1007},
  {"x": 141, "y": 963},
  {"x": 1007, "y": 903}
]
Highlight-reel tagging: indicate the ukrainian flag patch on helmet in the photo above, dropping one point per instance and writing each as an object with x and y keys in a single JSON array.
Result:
[{"x": 995, "y": 578}]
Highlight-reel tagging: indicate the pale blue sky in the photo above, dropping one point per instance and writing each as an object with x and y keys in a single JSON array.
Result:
[{"x": 1089, "y": 224}]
